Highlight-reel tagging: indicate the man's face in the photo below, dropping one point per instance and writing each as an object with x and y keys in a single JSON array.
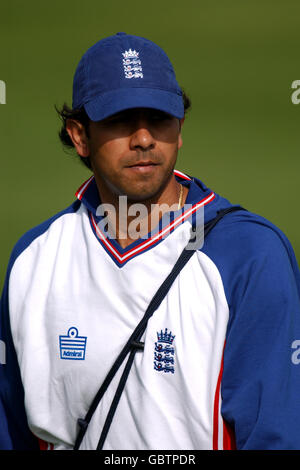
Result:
[{"x": 134, "y": 152}]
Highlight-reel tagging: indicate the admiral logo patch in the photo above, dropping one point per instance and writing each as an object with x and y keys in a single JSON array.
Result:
[
  {"x": 164, "y": 352},
  {"x": 72, "y": 346}
]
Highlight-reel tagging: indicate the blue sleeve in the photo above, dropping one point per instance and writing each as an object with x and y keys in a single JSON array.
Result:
[
  {"x": 261, "y": 383},
  {"x": 14, "y": 430}
]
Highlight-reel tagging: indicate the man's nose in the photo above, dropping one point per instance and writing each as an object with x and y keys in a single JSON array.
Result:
[{"x": 142, "y": 137}]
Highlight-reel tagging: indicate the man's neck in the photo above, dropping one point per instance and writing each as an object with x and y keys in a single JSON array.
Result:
[{"x": 132, "y": 220}]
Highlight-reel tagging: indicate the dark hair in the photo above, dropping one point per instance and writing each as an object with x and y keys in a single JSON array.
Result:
[{"x": 81, "y": 116}]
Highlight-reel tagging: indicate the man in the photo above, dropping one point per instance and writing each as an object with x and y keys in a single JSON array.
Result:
[{"x": 215, "y": 364}]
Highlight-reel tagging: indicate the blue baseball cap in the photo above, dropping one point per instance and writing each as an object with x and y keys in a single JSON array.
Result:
[{"x": 122, "y": 72}]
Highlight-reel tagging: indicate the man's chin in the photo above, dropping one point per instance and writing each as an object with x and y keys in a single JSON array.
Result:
[
  {"x": 142, "y": 197},
  {"x": 148, "y": 188}
]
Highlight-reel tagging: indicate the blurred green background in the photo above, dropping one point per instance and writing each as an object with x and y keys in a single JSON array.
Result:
[{"x": 236, "y": 60}]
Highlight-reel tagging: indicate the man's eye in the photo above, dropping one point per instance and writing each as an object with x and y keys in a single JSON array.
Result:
[
  {"x": 116, "y": 119},
  {"x": 131, "y": 116}
]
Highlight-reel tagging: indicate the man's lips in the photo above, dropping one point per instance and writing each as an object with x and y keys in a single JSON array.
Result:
[
  {"x": 142, "y": 163},
  {"x": 143, "y": 167}
]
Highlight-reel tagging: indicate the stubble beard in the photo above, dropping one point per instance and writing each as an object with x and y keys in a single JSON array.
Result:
[{"x": 141, "y": 189}]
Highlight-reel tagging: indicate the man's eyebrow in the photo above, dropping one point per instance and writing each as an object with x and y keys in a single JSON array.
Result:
[
  {"x": 114, "y": 116},
  {"x": 127, "y": 113},
  {"x": 121, "y": 113}
]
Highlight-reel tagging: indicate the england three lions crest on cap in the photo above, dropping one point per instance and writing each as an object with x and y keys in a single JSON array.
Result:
[
  {"x": 132, "y": 64},
  {"x": 72, "y": 346},
  {"x": 164, "y": 352}
]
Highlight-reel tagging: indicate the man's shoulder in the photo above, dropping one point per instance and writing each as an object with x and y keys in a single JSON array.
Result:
[
  {"x": 251, "y": 230},
  {"x": 241, "y": 233},
  {"x": 32, "y": 234},
  {"x": 244, "y": 238}
]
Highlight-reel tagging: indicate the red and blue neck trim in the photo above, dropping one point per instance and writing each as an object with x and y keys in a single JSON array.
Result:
[{"x": 198, "y": 197}]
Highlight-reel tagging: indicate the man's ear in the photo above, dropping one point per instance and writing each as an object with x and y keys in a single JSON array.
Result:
[{"x": 77, "y": 134}]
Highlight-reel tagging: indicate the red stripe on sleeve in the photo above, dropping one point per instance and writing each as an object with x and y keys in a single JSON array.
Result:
[
  {"x": 228, "y": 437},
  {"x": 216, "y": 410}
]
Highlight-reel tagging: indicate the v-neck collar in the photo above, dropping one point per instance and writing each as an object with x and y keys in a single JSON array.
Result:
[{"x": 198, "y": 196}]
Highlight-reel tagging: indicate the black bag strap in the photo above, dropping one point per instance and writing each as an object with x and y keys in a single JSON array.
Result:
[{"x": 134, "y": 344}]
